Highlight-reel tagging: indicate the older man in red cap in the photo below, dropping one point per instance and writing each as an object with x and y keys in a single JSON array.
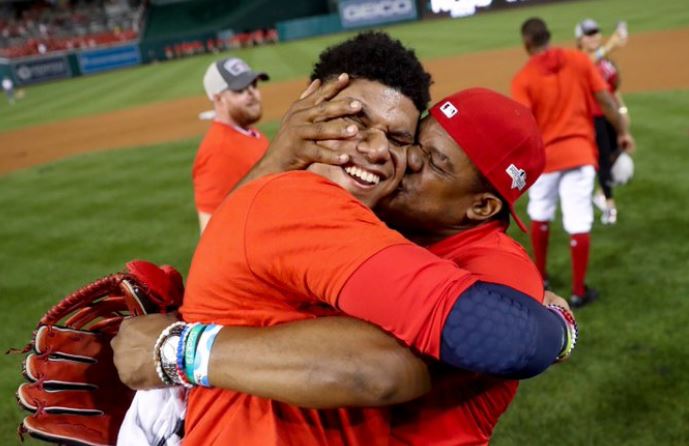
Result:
[{"x": 479, "y": 151}]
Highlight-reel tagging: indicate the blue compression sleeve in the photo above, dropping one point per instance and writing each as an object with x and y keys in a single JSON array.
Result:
[{"x": 496, "y": 330}]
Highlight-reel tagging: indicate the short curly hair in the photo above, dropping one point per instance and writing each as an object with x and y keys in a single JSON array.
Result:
[{"x": 375, "y": 56}]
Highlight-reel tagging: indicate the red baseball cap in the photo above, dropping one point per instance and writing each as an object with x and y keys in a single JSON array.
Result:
[{"x": 499, "y": 135}]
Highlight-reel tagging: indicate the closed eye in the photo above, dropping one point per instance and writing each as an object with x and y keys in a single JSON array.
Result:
[{"x": 431, "y": 159}]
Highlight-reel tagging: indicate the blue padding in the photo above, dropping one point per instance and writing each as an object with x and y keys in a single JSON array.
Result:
[{"x": 496, "y": 330}]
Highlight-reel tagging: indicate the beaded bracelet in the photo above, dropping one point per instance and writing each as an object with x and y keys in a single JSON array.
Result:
[
  {"x": 156, "y": 352},
  {"x": 203, "y": 354},
  {"x": 190, "y": 351},
  {"x": 572, "y": 331}
]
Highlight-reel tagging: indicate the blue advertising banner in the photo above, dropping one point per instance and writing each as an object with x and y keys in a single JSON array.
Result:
[
  {"x": 360, "y": 13},
  {"x": 108, "y": 59},
  {"x": 31, "y": 71}
]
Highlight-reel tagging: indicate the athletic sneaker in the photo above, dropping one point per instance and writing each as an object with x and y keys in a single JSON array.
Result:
[
  {"x": 589, "y": 296},
  {"x": 599, "y": 201},
  {"x": 609, "y": 216}
]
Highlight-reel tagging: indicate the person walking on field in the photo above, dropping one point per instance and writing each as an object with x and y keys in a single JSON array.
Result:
[
  {"x": 231, "y": 146},
  {"x": 8, "y": 88},
  {"x": 556, "y": 84},
  {"x": 590, "y": 41}
]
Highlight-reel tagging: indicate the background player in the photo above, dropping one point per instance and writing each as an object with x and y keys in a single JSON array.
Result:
[
  {"x": 590, "y": 40},
  {"x": 556, "y": 84},
  {"x": 8, "y": 88},
  {"x": 231, "y": 146}
]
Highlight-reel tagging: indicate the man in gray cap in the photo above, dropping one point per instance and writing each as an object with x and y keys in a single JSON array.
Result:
[{"x": 231, "y": 146}]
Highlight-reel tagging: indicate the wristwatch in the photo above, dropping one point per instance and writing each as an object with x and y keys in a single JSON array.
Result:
[{"x": 168, "y": 357}]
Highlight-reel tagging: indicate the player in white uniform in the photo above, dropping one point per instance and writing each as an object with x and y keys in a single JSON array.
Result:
[{"x": 557, "y": 84}]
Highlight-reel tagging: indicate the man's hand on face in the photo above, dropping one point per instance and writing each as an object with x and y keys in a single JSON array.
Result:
[
  {"x": 133, "y": 350},
  {"x": 313, "y": 118}
]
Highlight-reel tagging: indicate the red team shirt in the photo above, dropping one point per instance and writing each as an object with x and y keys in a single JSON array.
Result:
[
  {"x": 289, "y": 247},
  {"x": 225, "y": 156},
  {"x": 557, "y": 85},
  {"x": 463, "y": 408}
]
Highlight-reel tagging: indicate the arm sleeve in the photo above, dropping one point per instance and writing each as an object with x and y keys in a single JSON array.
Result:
[
  {"x": 497, "y": 330},
  {"x": 407, "y": 291},
  {"x": 441, "y": 310},
  {"x": 520, "y": 92},
  {"x": 595, "y": 79},
  {"x": 213, "y": 179}
]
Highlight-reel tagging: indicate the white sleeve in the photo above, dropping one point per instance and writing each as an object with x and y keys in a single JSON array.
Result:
[{"x": 154, "y": 418}]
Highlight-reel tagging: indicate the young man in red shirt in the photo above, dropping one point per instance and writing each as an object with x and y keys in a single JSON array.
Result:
[{"x": 338, "y": 268}]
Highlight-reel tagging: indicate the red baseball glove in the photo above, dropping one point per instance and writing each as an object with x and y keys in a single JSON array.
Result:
[{"x": 73, "y": 389}]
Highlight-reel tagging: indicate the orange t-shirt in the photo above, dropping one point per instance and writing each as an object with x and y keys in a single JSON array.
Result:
[
  {"x": 225, "y": 156},
  {"x": 277, "y": 250},
  {"x": 556, "y": 85}
]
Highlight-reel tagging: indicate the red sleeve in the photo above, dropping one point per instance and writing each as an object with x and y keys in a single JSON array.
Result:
[
  {"x": 211, "y": 173},
  {"x": 222, "y": 160},
  {"x": 520, "y": 92},
  {"x": 595, "y": 79},
  {"x": 407, "y": 291},
  {"x": 306, "y": 235},
  {"x": 506, "y": 268},
  {"x": 213, "y": 180}
]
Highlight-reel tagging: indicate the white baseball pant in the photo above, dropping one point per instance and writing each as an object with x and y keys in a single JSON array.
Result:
[{"x": 574, "y": 188}]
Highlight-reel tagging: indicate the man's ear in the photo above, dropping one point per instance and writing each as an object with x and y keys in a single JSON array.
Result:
[
  {"x": 485, "y": 206},
  {"x": 218, "y": 98}
]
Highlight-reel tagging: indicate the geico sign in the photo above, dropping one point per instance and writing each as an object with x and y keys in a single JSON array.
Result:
[{"x": 375, "y": 9}]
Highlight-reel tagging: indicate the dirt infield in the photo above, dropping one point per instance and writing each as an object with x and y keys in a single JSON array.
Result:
[{"x": 652, "y": 62}]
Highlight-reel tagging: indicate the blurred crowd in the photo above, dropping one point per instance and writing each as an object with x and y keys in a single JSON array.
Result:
[
  {"x": 38, "y": 28},
  {"x": 240, "y": 40}
]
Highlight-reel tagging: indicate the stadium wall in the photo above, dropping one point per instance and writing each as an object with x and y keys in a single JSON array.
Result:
[
  {"x": 5, "y": 69},
  {"x": 200, "y": 20},
  {"x": 309, "y": 27},
  {"x": 358, "y": 14},
  {"x": 63, "y": 65}
]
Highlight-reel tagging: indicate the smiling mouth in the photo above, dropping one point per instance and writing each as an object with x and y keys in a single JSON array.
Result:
[{"x": 362, "y": 176}]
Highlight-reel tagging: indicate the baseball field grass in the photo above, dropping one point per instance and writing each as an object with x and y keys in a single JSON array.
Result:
[{"x": 75, "y": 220}]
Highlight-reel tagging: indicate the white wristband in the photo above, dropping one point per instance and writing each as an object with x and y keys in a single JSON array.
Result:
[{"x": 202, "y": 356}]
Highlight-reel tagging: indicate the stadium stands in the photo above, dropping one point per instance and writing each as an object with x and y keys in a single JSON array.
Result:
[{"x": 31, "y": 28}]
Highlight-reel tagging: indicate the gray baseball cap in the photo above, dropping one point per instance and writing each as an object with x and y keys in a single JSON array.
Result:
[
  {"x": 229, "y": 74},
  {"x": 586, "y": 27}
]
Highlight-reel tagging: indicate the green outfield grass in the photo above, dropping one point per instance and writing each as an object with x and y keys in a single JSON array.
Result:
[
  {"x": 628, "y": 383},
  {"x": 159, "y": 82}
]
